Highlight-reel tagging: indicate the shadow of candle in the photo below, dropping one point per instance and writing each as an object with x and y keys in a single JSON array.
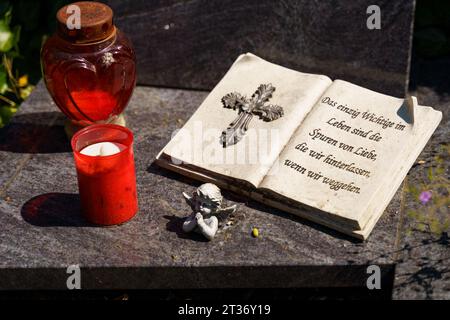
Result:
[
  {"x": 54, "y": 209},
  {"x": 31, "y": 132}
]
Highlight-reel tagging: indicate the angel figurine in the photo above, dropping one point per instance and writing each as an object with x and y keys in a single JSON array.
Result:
[{"x": 206, "y": 204}]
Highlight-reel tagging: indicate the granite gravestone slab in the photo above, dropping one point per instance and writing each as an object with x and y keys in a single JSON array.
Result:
[
  {"x": 192, "y": 44},
  {"x": 43, "y": 231}
]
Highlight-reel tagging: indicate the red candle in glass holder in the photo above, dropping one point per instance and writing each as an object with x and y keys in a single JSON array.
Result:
[{"x": 106, "y": 174}]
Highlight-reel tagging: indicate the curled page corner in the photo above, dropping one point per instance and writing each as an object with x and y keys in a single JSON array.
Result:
[
  {"x": 407, "y": 109},
  {"x": 412, "y": 105}
]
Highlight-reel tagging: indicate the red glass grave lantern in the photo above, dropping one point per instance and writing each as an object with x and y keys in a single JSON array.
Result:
[{"x": 89, "y": 69}]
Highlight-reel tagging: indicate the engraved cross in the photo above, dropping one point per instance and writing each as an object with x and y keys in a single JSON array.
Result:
[{"x": 256, "y": 105}]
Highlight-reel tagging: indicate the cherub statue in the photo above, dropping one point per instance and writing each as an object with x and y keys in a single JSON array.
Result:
[{"x": 206, "y": 204}]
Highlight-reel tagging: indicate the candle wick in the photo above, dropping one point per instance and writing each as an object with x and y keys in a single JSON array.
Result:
[{"x": 102, "y": 151}]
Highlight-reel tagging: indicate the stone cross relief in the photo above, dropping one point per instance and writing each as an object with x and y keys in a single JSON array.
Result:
[{"x": 247, "y": 108}]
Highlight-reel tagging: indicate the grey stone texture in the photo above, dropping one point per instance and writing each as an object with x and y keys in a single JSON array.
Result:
[
  {"x": 42, "y": 230},
  {"x": 191, "y": 44}
]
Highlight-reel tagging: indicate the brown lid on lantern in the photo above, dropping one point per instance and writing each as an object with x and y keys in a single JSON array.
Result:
[{"x": 85, "y": 22}]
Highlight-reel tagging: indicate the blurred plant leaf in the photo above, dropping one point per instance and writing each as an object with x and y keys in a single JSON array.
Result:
[
  {"x": 7, "y": 112},
  {"x": 3, "y": 80},
  {"x": 413, "y": 191},
  {"x": 25, "y": 92},
  {"x": 420, "y": 227},
  {"x": 6, "y": 37},
  {"x": 412, "y": 214},
  {"x": 430, "y": 174},
  {"x": 440, "y": 171}
]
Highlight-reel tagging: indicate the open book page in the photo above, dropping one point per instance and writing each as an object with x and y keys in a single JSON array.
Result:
[
  {"x": 426, "y": 121},
  {"x": 261, "y": 119},
  {"x": 347, "y": 156}
]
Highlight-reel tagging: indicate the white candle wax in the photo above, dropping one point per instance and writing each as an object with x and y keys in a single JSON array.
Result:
[{"x": 103, "y": 149}]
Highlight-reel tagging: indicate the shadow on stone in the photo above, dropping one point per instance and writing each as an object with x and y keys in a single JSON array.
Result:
[
  {"x": 155, "y": 169},
  {"x": 40, "y": 132},
  {"x": 54, "y": 209},
  {"x": 175, "y": 225},
  {"x": 428, "y": 269},
  {"x": 431, "y": 73},
  {"x": 403, "y": 113},
  {"x": 261, "y": 207}
]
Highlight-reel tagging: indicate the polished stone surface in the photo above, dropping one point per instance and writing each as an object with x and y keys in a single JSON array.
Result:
[
  {"x": 423, "y": 257},
  {"x": 191, "y": 44},
  {"x": 41, "y": 228}
]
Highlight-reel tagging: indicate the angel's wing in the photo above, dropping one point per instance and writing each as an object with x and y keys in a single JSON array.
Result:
[
  {"x": 223, "y": 213},
  {"x": 189, "y": 200}
]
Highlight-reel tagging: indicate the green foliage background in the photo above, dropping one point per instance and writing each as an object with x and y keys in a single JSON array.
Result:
[
  {"x": 24, "y": 25},
  {"x": 37, "y": 20}
]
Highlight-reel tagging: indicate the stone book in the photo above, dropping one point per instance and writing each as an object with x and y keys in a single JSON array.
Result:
[{"x": 328, "y": 151}]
